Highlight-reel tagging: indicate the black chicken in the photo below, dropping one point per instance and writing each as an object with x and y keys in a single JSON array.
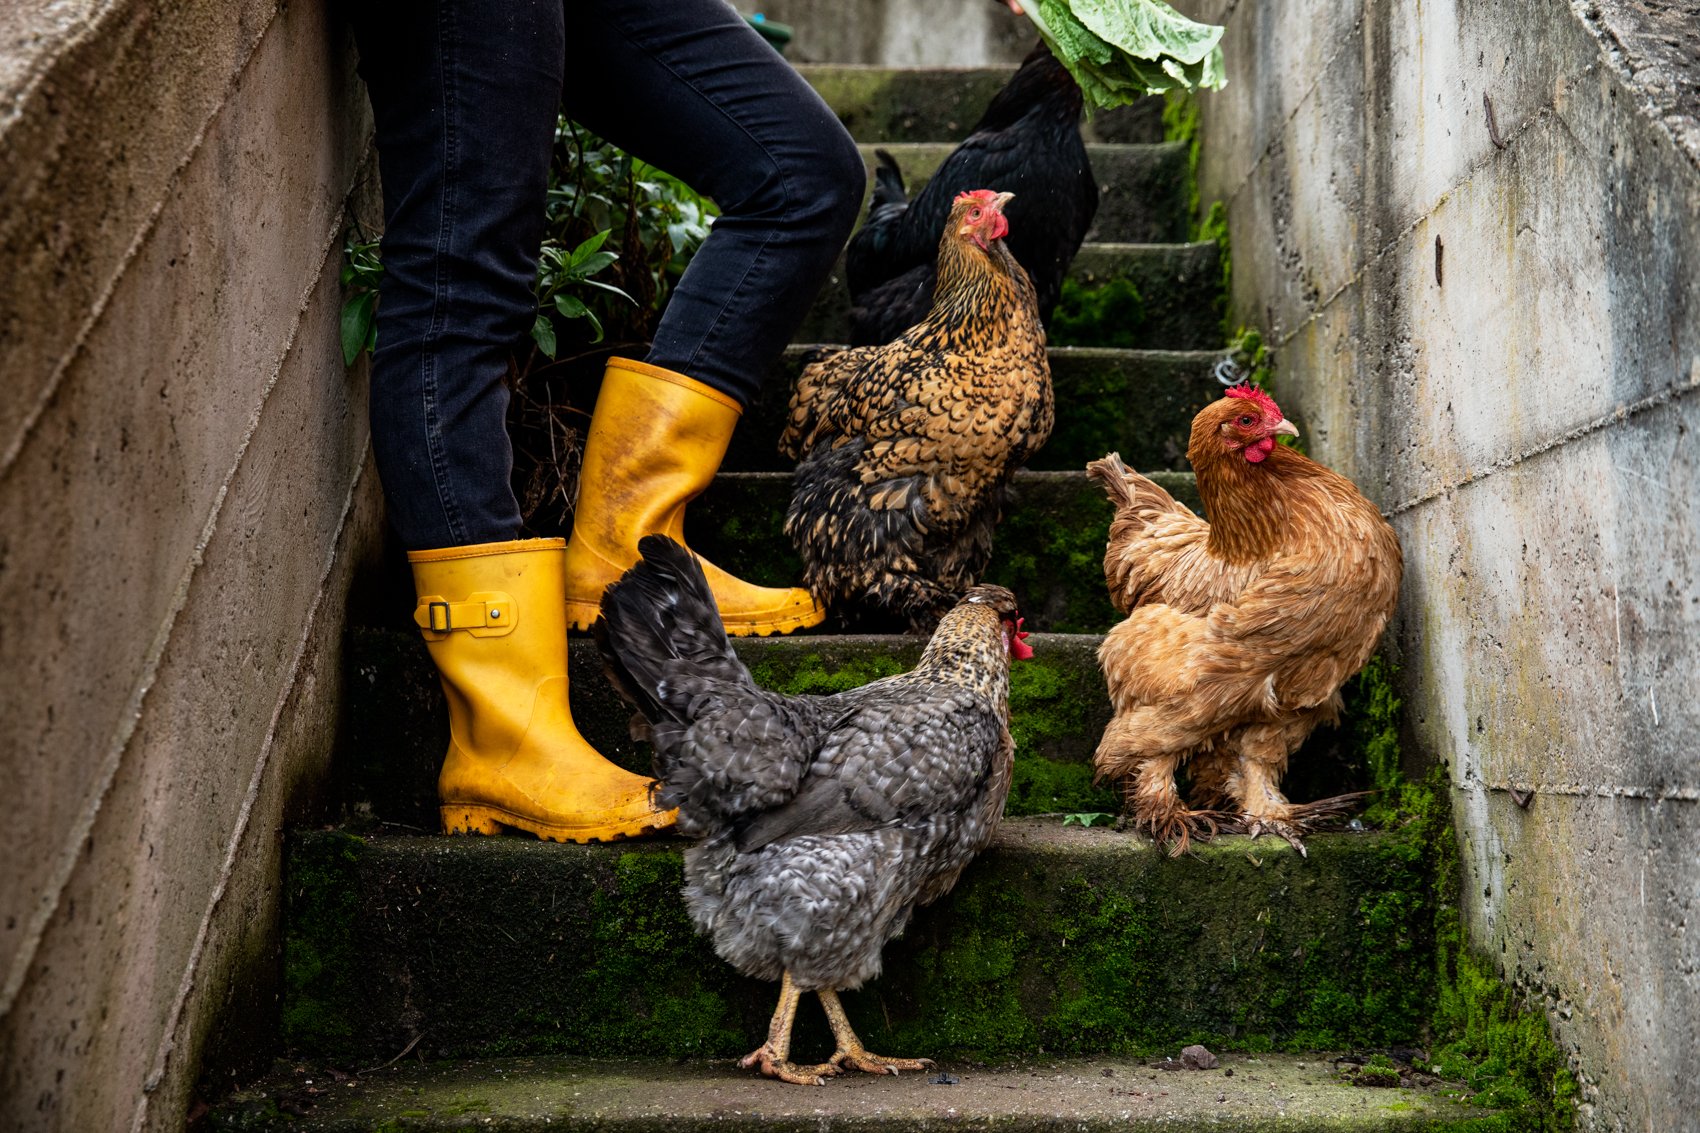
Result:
[
  {"x": 1027, "y": 143},
  {"x": 823, "y": 821}
]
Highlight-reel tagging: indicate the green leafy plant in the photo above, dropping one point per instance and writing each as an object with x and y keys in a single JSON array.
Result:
[
  {"x": 559, "y": 274},
  {"x": 360, "y": 274},
  {"x": 1085, "y": 818},
  {"x": 654, "y": 221}
]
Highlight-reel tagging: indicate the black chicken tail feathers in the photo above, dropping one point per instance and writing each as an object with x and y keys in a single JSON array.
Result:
[
  {"x": 658, "y": 617},
  {"x": 889, "y": 188}
]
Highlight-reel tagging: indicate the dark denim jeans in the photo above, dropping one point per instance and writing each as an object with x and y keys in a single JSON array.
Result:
[{"x": 464, "y": 95}]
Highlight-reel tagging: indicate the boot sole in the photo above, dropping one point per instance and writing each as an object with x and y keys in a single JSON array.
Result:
[
  {"x": 476, "y": 818},
  {"x": 578, "y": 621}
]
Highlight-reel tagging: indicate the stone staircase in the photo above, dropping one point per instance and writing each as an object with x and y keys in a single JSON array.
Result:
[{"x": 504, "y": 983}]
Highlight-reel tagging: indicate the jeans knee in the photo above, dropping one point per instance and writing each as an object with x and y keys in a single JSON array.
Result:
[
  {"x": 814, "y": 188},
  {"x": 838, "y": 180}
]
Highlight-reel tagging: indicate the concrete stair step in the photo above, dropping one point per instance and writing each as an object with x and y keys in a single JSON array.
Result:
[
  {"x": 396, "y": 723},
  {"x": 1137, "y": 402},
  {"x": 941, "y": 104},
  {"x": 1059, "y": 939},
  {"x": 1142, "y": 188},
  {"x": 1247, "y": 1093},
  {"x": 1179, "y": 285},
  {"x": 1049, "y": 548}
]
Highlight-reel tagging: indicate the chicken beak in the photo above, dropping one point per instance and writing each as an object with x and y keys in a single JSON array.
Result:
[
  {"x": 1286, "y": 429},
  {"x": 1002, "y": 200}
]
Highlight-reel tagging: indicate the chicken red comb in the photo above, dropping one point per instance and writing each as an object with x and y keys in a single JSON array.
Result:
[
  {"x": 1253, "y": 393},
  {"x": 984, "y": 196},
  {"x": 1018, "y": 647}
]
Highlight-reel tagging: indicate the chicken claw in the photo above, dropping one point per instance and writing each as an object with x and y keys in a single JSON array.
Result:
[
  {"x": 1298, "y": 819},
  {"x": 851, "y": 1053},
  {"x": 870, "y": 1063},
  {"x": 777, "y": 1066},
  {"x": 1177, "y": 828},
  {"x": 1257, "y": 827}
]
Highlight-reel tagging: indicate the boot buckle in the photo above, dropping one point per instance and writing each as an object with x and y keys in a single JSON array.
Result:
[{"x": 488, "y": 613}]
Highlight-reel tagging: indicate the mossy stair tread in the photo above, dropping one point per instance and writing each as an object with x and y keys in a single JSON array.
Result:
[
  {"x": 1142, "y": 187},
  {"x": 1250, "y": 1094},
  {"x": 397, "y": 721},
  {"x": 1049, "y": 548},
  {"x": 1059, "y": 939},
  {"x": 1139, "y": 403},
  {"x": 1179, "y": 288},
  {"x": 942, "y": 104}
]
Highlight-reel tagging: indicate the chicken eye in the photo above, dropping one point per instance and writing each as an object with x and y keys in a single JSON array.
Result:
[
  {"x": 1248, "y": 419},
  {"x": 974, "y": 214}
]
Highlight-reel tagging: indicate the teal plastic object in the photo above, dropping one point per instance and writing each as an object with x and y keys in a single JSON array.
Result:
[{"x": 773, "y": 31}]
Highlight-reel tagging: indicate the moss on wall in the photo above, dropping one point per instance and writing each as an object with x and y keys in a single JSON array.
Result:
[
  {"x": 1479, "y": 1032},
  {"x": 1482, "y": 1032},
  {"x": 321, "y": 950}
]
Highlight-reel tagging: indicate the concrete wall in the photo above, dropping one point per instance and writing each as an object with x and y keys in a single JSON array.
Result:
[
  {"x": 901, "y": 33},
  {"x": 1496, "y": 329},
  {"x": 184, "y": 494}
]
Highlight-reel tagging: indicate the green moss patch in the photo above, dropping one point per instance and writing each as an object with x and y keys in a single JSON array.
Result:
[
  {"x": 321, "y": 947},
  {"x": 1060, "y": 939}
]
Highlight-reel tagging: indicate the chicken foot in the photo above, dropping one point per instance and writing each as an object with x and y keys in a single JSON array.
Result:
[
  {"x": 851, "y": 1053},
  {"x": 1265, "y": 810},
  {"x": 1156, "y": 806},
  {"x": 774, "y": 1056},
  {"x": 1298, "y": 819}
]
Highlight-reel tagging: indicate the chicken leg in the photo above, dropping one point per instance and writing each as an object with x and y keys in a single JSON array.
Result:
[
  {"x": 774, "y": 1055},
  {"x": 1254, "y": 783},
  {"x": 850, "y": 1050},
  {"x": 1136, "y": 750},
  {"x": 1156, "y": 806}
]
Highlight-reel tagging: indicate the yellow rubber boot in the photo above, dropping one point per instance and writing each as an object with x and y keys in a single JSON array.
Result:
[
  {"x": 656, "y": 441},
  {"x": 491, "y": 616}
]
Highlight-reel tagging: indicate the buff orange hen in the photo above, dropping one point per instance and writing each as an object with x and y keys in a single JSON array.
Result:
[{"x": 1239, "y": 631}]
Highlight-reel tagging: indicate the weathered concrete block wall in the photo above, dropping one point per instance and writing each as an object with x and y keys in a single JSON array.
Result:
[
  {"x": 901, "y": 33},
  {"x": 1494, "y": 325},
  {"x": 184, "y": 493}
]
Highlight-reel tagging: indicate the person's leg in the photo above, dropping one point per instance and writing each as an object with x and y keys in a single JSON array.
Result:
[
  {"x": 687, "y": 86},
  {"x": 465, "y": 95}
]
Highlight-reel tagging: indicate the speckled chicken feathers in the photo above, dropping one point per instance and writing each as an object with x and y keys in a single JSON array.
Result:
[
  {"x": 822, "y": 820},
  {"x": 905, "y": 450}
]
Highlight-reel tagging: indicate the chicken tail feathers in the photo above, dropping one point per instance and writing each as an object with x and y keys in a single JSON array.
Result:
[
  {"x": 660, "y": 614},
  {"x": 1129, "y": 492},
  {"x": 890, "y": 196}
]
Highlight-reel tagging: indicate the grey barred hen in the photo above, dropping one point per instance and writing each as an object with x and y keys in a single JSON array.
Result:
[
  {"x": 905, "y": 451},
  {"x": 822, "y": 821}
]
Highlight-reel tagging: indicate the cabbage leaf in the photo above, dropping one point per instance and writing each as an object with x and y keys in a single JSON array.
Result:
[{"x": 1120, "y": 50}]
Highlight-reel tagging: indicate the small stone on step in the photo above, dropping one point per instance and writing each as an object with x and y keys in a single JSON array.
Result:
[{"x": 1196, "y": 1057}]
